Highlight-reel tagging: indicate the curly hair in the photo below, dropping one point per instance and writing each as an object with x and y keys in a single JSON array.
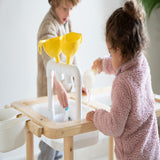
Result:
[{"x": 125, "y": 29}]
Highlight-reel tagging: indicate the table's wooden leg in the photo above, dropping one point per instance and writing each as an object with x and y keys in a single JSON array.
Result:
[
  {"x": 68, "y": 148},
  {"x": 29, "y": 146},
  {"x": 111, "y": 150}
]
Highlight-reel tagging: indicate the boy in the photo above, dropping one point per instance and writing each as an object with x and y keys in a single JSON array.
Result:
[{"x": 55, "y": 23}]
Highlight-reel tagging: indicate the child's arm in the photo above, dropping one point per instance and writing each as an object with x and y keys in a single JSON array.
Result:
[
  {"x": 61, "y": 93},
  {"x": 107, "y": 66},
  {"x": 103, "y": 64},
  {"x": 97, "y": 65},
  {"x": 113, "y": 123}
]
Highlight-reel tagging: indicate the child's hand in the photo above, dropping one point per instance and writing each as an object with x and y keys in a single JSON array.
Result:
[
  {"x": 97, "y": 65},
  {"x": 84, "y": 91},
  {"x": 90, "y": 116},
  {"x": 61, "y": 93}
]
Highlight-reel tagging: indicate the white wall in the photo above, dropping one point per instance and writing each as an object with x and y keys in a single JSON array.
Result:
[
  {"x": 19, "y": 22},
  {"x": 153, "y": 53}
]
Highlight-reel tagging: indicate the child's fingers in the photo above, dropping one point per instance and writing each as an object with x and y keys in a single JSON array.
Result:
[
  {"x": 64, "y": 100},
  {"x": 90, "y": 116},
  {"x": 84, "y": 91},
  {"x": 97, "y": 65},
  {"x": 94, "y": 66}
]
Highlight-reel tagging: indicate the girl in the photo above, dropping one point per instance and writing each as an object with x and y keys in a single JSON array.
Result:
[{"x": 131, "y": 120}]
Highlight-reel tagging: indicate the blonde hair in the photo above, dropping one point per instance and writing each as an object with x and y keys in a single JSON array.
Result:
[
  {"x": 74, "y": 2},
  {"x": 125, "y": 29}
]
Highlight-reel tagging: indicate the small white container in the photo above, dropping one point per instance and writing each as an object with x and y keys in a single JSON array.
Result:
[
  {"x": 7, "y": 114},
  {"x": 12, "y": 130}
]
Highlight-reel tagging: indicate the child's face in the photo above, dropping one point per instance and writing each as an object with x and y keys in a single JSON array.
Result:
[
  {"x": 116, "y": 56},
  {"x": 63, "y": 11}
]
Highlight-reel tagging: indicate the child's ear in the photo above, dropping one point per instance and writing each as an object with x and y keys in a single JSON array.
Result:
[{"x": 118, "y": 50}]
